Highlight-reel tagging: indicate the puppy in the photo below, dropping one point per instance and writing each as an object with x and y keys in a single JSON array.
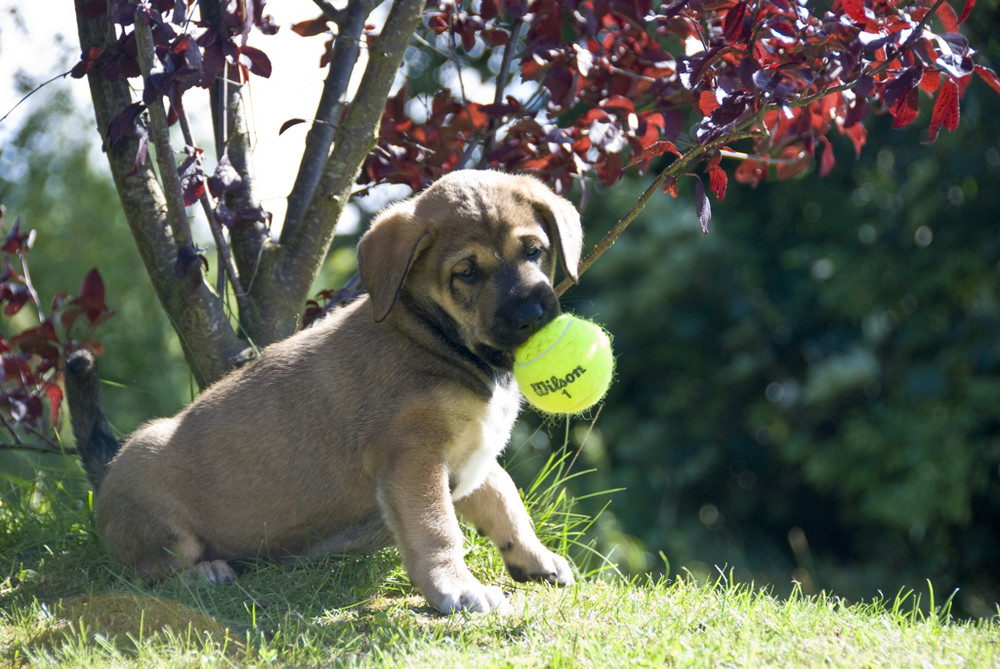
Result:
[{"x": 375, "y": 425}]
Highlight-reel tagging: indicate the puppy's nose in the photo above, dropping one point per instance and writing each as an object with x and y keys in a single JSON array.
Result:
[{"x": 529, "y": 317}]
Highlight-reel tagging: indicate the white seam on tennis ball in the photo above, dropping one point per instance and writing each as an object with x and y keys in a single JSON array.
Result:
[{"x": 569, "y": 321}]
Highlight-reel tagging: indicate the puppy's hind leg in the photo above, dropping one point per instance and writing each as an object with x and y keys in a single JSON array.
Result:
[{"x": 157, "y": 549}]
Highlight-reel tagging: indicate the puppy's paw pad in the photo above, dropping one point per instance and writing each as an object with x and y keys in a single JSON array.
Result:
[{"x": 215, "y": 571}]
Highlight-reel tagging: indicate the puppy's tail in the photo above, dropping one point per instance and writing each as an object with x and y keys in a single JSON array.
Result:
[{"x": 94, "y": 439}]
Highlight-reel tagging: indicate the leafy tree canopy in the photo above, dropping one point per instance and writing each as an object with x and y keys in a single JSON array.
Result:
[{"x": 584, "y": 92}]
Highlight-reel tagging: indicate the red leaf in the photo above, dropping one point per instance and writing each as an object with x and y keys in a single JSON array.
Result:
[
  {"x": 670, "y": 186},
  {"x": 316, "y": 26},
  {"x": 930, "y": 81},
  {"x": 256, "y": 60},
  {"x": 707, "y": 102},
  {"x": 717, "y": 179},
  {"x": 55, "y": 396},
  {"x": 620, "y": 103},
  {"x": 794, "y": 159},
  {"x": 858, "y": 136},
  {"x": 655, "y": 149},
  {"x": 827, "y": 160},
  {"x": 948, "y": 18},
  {"x": 733, "y": 24},
  {"x": 969, "y": 4},
  {"x": 91, "y": 298},
  {"x": 17, "y": 241},
  {"x": 904, "y": 109},
  {"x": 856, "y": 10},
  {"x": 86, "y": 62},
  {"x": 989, "y": 76},
  {"x": 946, "y": 113}
]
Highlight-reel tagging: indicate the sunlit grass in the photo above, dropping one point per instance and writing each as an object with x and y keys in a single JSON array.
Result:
[{"x": 63, "y": 602}]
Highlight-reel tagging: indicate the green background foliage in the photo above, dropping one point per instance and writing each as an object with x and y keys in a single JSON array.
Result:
[{"x": 810, "y": 392}]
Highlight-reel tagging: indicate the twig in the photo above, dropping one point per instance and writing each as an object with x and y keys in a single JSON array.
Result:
[
  {"x": 10, "y": 428},
  {"x": 222, "y": 247},
  {"x": 18, "y": 444},
  {"x": 674, "y": 169},
  {"x": 508, "y": 57},
  {"x": 26, "y": 273},
  {"x": 32, "y": 92},
  {"x": 489, "y": 138},
  {"x": 37, "y": 448},
  {"x": 169, "y": 178},
  {"x": 347, "y": 46}
]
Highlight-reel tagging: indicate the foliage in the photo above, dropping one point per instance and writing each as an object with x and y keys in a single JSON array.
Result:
[
  {"x": 50, "y": 177},
  {"x": 30, "y": 367},
  {"x": 808, "y": 393},
  {"x": 582, "y": 91}
]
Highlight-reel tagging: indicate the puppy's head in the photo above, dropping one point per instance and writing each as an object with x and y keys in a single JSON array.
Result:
[{"x": 475, "y": 255}]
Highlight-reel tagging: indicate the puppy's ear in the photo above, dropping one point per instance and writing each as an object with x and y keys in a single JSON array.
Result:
[
  {"x": 387, "y": 252},
  {"x": 562, "y": 223}
]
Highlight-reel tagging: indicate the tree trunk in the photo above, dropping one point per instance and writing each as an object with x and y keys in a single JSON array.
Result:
[{"x": 197, "y": 314}]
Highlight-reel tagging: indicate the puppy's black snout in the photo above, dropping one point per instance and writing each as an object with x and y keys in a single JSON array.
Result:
[{"x": 529, "y": 318}]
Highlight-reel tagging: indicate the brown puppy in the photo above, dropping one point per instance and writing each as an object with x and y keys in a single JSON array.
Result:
[{"x": 373, "y": 426}]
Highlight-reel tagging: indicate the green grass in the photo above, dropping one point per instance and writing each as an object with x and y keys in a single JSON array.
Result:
[{"x": 63, "y": 602}]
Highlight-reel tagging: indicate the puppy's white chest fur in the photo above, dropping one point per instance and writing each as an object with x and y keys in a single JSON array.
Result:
[{"x": 483, "y": 441}]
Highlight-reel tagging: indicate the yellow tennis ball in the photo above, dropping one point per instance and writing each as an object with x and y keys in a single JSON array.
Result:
[{"x": 565, "y": 367}]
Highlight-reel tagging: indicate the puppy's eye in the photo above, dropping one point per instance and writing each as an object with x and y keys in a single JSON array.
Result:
[
  {"x": 467, "y": 274},
  {"x": 533, "y": 252}
]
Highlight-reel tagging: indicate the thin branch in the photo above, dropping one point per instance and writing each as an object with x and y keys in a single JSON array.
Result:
[
  {"x": 222, "y": 246},
  {"x": 674, "y": 169},
  {"x": 32, "y": 92},
  {"x": 453, "y": 55},
  {"x": 319, "y": 139},
  {"x": 160, "y": 131},
  {"x": 498, "y": 96},
  {"x": 37, "y": 448},
  {"x": 26, "y": 273},
  {"x": 10, "y": 428},
  {"x": 18, "y": 444}
]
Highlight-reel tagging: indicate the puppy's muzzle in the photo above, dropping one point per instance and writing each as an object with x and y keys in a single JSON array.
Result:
[{"x": 522, "y": 316}]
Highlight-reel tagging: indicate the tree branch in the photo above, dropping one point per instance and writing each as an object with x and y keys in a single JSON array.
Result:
[
  {"x": 292, "y": 265},
  {"x": 247, "y": 238},
  {"x": 226, "y": 265},
  {"x": 320, "y": 137},
  {"x": 674, "y": 169},
  {"x": 37, "y": 448},
  {"x": 195, "y": 311},
  {"x": 176, "y": 215}
]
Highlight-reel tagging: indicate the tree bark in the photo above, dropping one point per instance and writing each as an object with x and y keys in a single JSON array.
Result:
[
  {"x": 293, "y": 263},
  {"x": 197, "y": 314}
]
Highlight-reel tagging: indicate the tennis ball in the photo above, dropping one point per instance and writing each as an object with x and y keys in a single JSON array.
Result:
[{"x": 566, "y": 367}]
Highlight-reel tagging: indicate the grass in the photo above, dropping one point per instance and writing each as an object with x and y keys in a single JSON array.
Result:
[{"x": 63, "y": 602}]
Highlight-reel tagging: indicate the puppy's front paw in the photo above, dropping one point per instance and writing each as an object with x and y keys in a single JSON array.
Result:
[
  {"x": 468, "y": 595},
  {"x": 540, "y": 565}
]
